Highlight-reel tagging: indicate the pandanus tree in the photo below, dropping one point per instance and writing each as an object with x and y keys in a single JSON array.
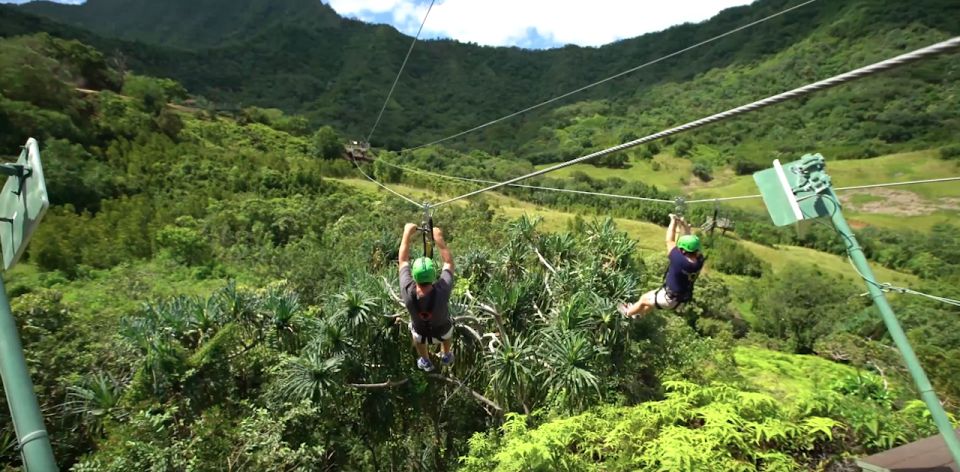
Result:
[{"x": 312, "y": 375}]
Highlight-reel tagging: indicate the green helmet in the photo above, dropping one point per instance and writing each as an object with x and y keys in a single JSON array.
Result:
[
  {"x": 689, "y": 243},
  {"x": 424, "y": 271}
]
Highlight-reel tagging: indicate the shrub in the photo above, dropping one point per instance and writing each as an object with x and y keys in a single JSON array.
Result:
[
  {"x": 732, "y": 258},
  {"x": 951, "y": 152},
  {"x": 702, "y": 171}
]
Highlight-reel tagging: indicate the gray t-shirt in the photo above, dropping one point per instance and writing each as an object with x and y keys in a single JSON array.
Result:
[{"x": 430, "y": 316}]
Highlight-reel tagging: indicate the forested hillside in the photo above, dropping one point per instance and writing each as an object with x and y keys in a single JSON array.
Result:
[
  {"x": 337, "y": 71},
  {"x": 217, "y": 291}
]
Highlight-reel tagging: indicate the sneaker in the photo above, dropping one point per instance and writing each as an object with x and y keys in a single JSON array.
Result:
[
  {"x": 424, "y": 364},
  {"x": 447, "y": 358}
]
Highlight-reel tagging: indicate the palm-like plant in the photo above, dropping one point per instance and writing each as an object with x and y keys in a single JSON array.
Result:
[
  {"x": 310, "y": 376},
  {"x": 383, "y": 251},
  {"x": 512, "y": 373},
  {"x": 355, "y": 307},
  {"x": 513, "y": 260},
  {"x": 283, "y": 309},
  {"x": 558, "y": 248},
  {"x": 576, "y": 314},
  {"x": 238, "y": 305},
  {"x": 96, "y": 400},
  {"x": 476, "y": 266},
  {"x": 568, "y": 355}
]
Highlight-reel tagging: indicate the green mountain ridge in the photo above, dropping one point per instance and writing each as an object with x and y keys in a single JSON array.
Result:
[
  {"x": 211, "y": 292},
  {"x": 340, "y": 75},
  {"x": 186, "y": 24}
]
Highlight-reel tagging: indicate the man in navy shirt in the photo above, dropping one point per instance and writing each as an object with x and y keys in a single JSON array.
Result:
[{"x": 683, "y": 251}]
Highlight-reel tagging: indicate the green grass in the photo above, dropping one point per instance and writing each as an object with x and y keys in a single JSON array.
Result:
[
  {"x": 917, "y": 165},
  {"x": 650, "y": 237},
  {"x": 892, "y": 168},
  {"x": 783, "y": 258},
  {"x": 667, "y": 176}
]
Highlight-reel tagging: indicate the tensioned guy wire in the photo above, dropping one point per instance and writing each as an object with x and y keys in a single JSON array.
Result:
[
  {"x": 399, "y": 72},
  {"x": 385, "y": 187},
  {"x": 384, "y": 107},
  {"x": 913, "y": 56},
  {"x": 646, "y": 199},
  {"x": 615, "y": 76},
  {"x": 837, "y": 189},
  {"x": 533, "y": 187}
]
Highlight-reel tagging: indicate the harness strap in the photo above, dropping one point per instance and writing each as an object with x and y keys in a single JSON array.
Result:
[{"x": 428, "y": 338}]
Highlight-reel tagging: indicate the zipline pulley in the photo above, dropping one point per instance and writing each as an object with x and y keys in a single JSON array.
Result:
[
  {"x": 426, "y": 227},
  {"x": 680, "y": 206}
]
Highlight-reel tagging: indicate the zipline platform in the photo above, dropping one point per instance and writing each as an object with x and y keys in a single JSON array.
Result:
[{"x": 925, "y": 455}]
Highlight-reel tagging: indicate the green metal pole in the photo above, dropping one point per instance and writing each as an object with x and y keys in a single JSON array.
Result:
[
  {"x": 27, "y": 421},
  {"x": 899, "y": 338}
]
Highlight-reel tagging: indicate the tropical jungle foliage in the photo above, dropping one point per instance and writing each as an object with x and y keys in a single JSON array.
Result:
[{"x": 213, "y": 292}]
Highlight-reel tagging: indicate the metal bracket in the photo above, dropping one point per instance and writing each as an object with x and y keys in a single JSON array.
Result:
[
  {"x": 20, "y": 171},
  {"x": 31, "y": 437}
]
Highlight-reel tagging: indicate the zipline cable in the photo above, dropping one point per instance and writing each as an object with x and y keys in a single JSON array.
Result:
[
  {"x": 399, "y": 72},
  {"x": 894, "y": 184},
  {"x": 615, "y": 76},
  {"x": 913, "y": 56},
  {"x": 647, "y": 199},
  {"x": 384, "y": 107},
  {"x": 837, "y": 189},
  {"x": 532, "y": 187},
  {"x": 885, "y": 287},
  {"x": 419, "y": 205}
]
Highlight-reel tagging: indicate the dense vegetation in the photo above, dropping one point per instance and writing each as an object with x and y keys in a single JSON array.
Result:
[
  {"x": 236, "y": 62},
  {"x": 207, "y": 294}
]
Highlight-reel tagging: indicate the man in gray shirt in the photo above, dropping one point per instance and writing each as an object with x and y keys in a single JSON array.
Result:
[{"x": 427, "y": 298}]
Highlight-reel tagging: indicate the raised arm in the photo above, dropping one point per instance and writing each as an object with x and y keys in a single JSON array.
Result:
[
  {"x": 683, "y": 228},
  {"x": 408, "y": 231},
  {"x": 671, "y": 238},
  {"x": 445, "y": 253}
]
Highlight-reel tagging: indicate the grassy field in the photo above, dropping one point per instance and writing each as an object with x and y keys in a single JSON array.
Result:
[
  {"x": 650, "y": 236},
  {"x": 915, "y": 206},
  {"x": 664, "y": 171}
]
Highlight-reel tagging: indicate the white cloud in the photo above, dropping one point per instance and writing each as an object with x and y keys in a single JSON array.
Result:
[{"x": 509, "y": 22}]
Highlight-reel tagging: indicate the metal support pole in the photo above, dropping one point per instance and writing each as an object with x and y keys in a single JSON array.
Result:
[
  {"x": 33, "y": 442},
  {"x": 899, "y": 337}
]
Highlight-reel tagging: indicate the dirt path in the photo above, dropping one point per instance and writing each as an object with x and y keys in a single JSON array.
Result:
[{"x": 896, "y": 202}]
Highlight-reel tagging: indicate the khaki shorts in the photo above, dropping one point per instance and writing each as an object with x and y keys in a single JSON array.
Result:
[
  {"x": 417, "y": 338},
  {"x": 661, "y": 300}
]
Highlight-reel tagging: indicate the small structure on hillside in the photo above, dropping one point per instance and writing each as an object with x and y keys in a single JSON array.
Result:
[
  {"x": 720, "y": 223},
  {"x": 925, "y": 455},
  {"x": 358, "y": 151}
]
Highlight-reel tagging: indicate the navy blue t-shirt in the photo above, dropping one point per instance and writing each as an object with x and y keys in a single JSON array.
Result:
[{"x": 682, "y": 273}]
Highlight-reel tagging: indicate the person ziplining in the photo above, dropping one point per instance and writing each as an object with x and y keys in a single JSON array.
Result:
[
  {"x": 426, "y": 296},
  {"x": 685, "y": 263}
]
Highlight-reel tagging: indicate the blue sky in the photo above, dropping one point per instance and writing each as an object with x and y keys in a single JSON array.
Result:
[{"x": 535, "y": 24}]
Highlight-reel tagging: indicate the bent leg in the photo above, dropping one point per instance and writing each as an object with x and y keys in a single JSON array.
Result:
[{"x": 646, "y": 303}]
